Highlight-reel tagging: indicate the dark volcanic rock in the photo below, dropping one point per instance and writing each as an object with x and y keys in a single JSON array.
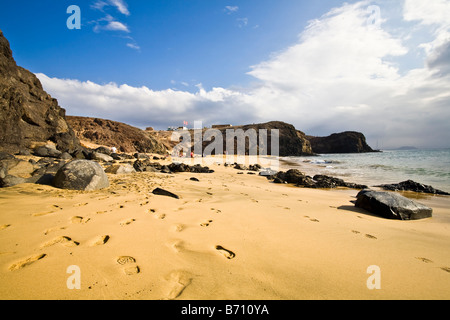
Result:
[
  {"x": 392, "y": 206},
  {"x": 29, "y": 116},
  {"x": 412, "y": 186},
  {"x": 181, "y": 167},
  {"x": 10, "y": 181},
  {"x": 81, "y": 175},
  {"x": 162, "y": 192},
  {"x": 345, "y": 142},
  {"x": 298, "y": 178},
  {"x": 47, "y": 151},
  {"x": 323, "y": 181}
]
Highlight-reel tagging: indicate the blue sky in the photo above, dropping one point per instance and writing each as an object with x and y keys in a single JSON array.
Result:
[
  {"x": 380, "y": 67},
  {"x": 170, "y": 42}
]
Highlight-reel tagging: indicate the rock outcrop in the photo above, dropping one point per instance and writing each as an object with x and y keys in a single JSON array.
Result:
[
  {"x": 392, "y": 206},
  {"x": 299, "y": 179},
  {"x": 124, "y": 137},
  {"x": 345, "y": 142},
  {"x": 410, "y": 185},
  {"x": 29, "y": 116},
  {"x": 292, "y": 142}
]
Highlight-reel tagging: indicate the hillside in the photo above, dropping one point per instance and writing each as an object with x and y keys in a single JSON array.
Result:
[{"x": 109, "y": 133}]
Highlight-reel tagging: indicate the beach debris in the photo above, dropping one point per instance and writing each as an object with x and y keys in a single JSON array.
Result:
[
  {"x": 162, "y": 192},
  {"x": 83, "y": 175},
  {"x": 410, "y": 185},
  {"x": 392, "y": 206}
]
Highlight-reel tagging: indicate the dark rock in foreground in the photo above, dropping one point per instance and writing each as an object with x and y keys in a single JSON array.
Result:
[
  {"x": 392, "y": 206},
  {"x": 81, "y": 175},
  {"x": 412, "y": 186},
  {"x": 162, "y": 192}
]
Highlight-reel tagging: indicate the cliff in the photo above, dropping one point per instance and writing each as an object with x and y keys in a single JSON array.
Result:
[
  {"x": 291, "y": 141},
  {"x": 109, "y": 133},
  {"x": 345, "y": 142},
  {"x": 29, "y": 116}
]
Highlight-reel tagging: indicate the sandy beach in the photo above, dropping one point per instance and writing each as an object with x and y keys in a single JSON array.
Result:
[{"x": 228, "y": 237}]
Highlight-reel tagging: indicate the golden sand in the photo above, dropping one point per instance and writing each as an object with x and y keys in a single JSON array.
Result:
[{"x": 228, "y": 237}]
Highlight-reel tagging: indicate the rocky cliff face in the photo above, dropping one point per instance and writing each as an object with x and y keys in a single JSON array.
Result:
[
  {"x": 345, "y": 142},
  {"x": 115, "y": 134},
  {"x": 29, "y": 116},
  {"x": 291, "y": 141}
]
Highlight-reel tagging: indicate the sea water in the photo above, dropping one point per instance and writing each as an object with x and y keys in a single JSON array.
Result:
[{"x": 430, "y": 167}]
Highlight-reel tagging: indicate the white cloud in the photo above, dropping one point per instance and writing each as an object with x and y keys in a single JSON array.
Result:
[
  {"x": 231, "y": 9},
  {"x": 242, "y": 22},
  {"x": 110, "y": 24},
  {"x": 121, "y": 6},
  {"x": 133, "y": 46},
  {"x": 116, "y": 26},
  {"x": 143, "y": 106}
]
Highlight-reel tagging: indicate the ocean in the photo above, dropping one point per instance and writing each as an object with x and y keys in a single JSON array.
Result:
[{"x": 430, "y": 167}]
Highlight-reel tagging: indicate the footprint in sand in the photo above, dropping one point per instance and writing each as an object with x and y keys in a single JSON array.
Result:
[
  {"x": 206, "y": 223},
  {"x": 156, "y": 215},
  {"x": 178, "y": 227},
  {"x": 127, "y": 222},
  {"x": 100, "y": 240},
  {"x": 46, "y": 232},
  {"x": 226, "y": 253},
  {"x": 26, "y": 262},
  {"x": 5, "y": 226},
  {"x": 55, "y": 208},
  {"x": 424, "y": 260},
  {"x": 81, "y": 204},
  {"x": 446, "y": 269},
  {"x": 371, "y": 237},
  {"x": 65, "y": 241},
  {"x": 179, "y": 280},
  {"x": 177, "y": 246},
  {"x": 129, "y": 263},
  {"x": 78, "y": 219}
]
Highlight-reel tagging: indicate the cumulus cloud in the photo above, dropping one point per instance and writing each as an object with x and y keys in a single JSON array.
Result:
[
  {"x": 341, "y": 74},
  {"x": 143, "y": 106}
]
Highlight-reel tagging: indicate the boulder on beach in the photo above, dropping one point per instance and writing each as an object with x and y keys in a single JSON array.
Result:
[
  {"x": 101, "y": 157},
  {"x": 81, "y": 175},
  {"x": 120, "y": 169},
  {"x": 392, "y": 206},
  {"x": 47, "y": 151}
]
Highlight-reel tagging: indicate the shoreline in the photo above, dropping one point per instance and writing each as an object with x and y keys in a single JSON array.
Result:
[{"x": 228, "y": 237}]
